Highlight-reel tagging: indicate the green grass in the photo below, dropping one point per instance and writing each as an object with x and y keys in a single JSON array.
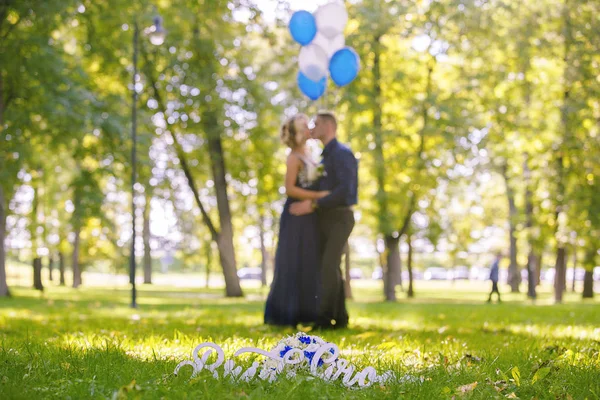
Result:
[{"x": 88, "y": 344}]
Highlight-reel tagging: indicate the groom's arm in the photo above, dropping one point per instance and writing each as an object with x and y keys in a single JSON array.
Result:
[{"x": 345, "y": 170}]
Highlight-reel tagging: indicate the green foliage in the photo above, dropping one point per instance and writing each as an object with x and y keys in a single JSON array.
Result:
[{"x": 452, "y": 96}]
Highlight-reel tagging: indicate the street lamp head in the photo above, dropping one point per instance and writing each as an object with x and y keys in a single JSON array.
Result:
[{"x": 157, "y": 32}]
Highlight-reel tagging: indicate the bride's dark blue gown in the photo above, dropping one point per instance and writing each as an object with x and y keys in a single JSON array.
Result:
[{"x": 294, "y": 296}]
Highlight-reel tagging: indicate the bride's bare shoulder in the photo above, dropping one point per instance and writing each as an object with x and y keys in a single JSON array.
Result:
[{"x": 293, "y": 159}]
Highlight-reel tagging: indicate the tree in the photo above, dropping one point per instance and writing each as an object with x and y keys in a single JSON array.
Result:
[
  {"x": 39, "y": 104},
  {"x": 407, "y": 112}
]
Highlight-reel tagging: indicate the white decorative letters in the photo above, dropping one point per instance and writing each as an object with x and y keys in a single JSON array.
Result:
[{"x": 292, "y": 354}]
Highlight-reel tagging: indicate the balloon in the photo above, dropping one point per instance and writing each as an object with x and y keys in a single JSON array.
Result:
[
  {"x": 329, "y": 45},
  {"x": 331, "y": 19},
  {"x": 313, "y": 62},
  {"x": 303, "y": 27},
  {"x": 313, "y": 90},
  {"x": 344, "y": 66}
]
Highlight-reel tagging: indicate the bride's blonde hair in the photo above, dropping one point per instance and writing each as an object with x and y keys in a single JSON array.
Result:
[{"x": 289, "y": 131}]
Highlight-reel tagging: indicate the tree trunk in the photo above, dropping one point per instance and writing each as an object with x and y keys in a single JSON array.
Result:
[
  {"x": 37, "y": 261},
  {"x": 61, "y": 268},
  {"x": 76, "y": 267},
  {"x": 588, "y": 284},
  {"x": 347, "y": 286},
  {"x": 531, "y": 262},
  {"x": 560, "y": 274},
  {"x": 208, "y": 262},
  {"x": 514, "y": 275},
  {"x": 51, "y": 268},
  {"x": 392, "y": 267},
  {"x": 540, "y": 265},
  {"x": 225, "y": 237},
  {"x": 263, "y": 252},
  {"x": 4, "y": 292},
  {"x": 409, "y": 263},
  {"x": 212, "y": 127},
  {"x": 588, "y": 280},
  {"x": 513, "y": 269},
  {"x": 532, "y": 275},
  {"x": 574, "y": 267},
  {"x": 147, "y": 249},
  {"x": 389, "y": 266},
  {"x": 561, "y": 252},
  {"x": 37, "y": 274}
]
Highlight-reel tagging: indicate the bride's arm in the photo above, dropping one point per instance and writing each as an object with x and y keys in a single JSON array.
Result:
[{"x": 293, "y": 167}]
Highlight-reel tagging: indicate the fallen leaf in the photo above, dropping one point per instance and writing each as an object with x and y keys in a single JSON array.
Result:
[
  {"x": 366, "y": 335},
  {"x": 467, "y": 388},
  {"x": 502, "y": 374},
  {"x": 124, "y": 390},
  {"x": 386, "y": 345},
  {"x": 499, "y": 386},
  {"x": 473, "y": 358},
  {"x": 516, "y": 375},
  {"x": 540, "y": 374}
]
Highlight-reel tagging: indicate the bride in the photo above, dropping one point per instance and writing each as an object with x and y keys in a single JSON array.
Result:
[{"x": 294, "y": 296}]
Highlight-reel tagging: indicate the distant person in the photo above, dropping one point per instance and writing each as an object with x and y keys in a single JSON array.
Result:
[{"x": 494, "y": 273}]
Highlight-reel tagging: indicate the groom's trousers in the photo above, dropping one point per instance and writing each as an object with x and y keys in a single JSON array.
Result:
[{"x": 335, "y": 225}]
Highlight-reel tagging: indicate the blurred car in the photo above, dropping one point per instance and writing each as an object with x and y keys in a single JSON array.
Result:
[
  {"x": 524, "y": 275},
  {"x": 597, "y": 274},
  {"x": 377, "y": 273},
  {"x": 436, "y": 274},
  {"x": 579, "y": 274},
  {"x": 480, "y": 273},
  {"x": 417, "y": 275},
  {"x": 356, "y": 273},
  {"x": 548, "y": 275},
  {"x": 502, "y": 275},
  {"x": 248, "y": 273},
  {"x": 459, "y": 273}
]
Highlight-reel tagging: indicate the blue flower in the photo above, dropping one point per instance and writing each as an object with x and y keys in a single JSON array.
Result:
[
  {"x": 305, "y": 339},
  {"x": 309, "y": 355},
  {"x": 285, "y": 350}
]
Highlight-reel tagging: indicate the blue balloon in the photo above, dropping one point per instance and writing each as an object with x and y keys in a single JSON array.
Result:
[
  {"x": 303, "y": 27},
  {"x": 344, "y": 66},
  {"x": 313, "y": 90}
]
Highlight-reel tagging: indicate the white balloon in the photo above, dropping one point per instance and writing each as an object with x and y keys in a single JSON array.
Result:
[
  {"x": 313, "y": 62},
  {"x": 330, "y": 45},
  {"x": 331, "y": 19}
]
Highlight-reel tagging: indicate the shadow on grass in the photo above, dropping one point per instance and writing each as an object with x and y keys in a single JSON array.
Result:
[{"x": 166, "y": 315}]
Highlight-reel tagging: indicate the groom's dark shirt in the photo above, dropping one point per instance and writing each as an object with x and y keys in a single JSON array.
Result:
[{"x": 341, "y": 177}]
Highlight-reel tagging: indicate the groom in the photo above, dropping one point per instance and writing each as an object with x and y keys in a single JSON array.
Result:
[{"x": 336, "y": 219}]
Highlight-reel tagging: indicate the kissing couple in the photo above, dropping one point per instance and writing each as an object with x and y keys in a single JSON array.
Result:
[{"x": 314, "y": 228}]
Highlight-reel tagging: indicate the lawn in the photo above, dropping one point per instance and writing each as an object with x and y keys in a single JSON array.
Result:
[{"x": 88, "y": 344}]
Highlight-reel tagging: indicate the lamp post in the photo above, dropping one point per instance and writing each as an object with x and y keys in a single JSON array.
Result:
[{"x": 157, "y": 37}]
